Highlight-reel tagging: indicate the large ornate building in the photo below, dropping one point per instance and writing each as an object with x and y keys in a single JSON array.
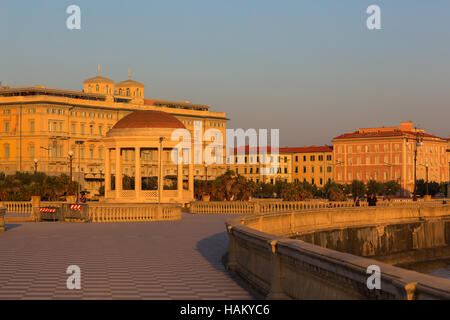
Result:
[
  {"x": 388, "y": 153},
  {"x": 40, "y": 126}
]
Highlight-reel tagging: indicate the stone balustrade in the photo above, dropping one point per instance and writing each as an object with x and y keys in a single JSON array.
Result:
[
  {"x": 24, "y": 207},
  {"x": 282, "y": 268},
  {"x": 97, "y": 211},
  {"x": 109, "y": 212},
  {"x": 266, "y": 206}
]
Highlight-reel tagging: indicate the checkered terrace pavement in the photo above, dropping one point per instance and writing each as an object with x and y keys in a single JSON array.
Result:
[{"x": 140, "y": 260}]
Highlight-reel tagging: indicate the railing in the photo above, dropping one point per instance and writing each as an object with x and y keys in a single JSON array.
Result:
[
  {"x": 24, "y": 207},
  {"x": 133, "y": 212},
  {"x": 96, "y": 212},
  {"x": 283, "y": 268},
  {"x": 256, "y": 206}
]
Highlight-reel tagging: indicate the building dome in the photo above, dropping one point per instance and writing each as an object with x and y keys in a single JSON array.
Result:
[
  {"x": 98, "y": 79},
  {"x": 99, "y": 84},
  {"x": 131, "y": 88},
  {"x": 129, "y": 83},
  {"x": 149, "y": 119}
]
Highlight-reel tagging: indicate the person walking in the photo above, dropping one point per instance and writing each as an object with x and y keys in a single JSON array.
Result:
[
  {"x": 83, "y": 197},
  {"x": 356, "y": 202},
  {"x": 372, "y": 200}
]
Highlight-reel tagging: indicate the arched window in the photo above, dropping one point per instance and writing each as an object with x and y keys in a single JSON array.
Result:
[
  {"x": 97, "y": 88},
  {"x": 128, "y": 92},
  {"x": 120, "y": 92},
  {"x": 137, "y": 92},
  {"x": 106, "y": 90},
  {"x": 89, "y": 89}
]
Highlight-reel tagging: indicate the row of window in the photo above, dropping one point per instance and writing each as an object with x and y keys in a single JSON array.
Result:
[
  {"x": 89, "y": 114},
  {"x": 396, "y": 160},
  {"x": 313, "y": 169},
  {"x": 385, "y": 148},
  {"x": 313, "y": 158}
]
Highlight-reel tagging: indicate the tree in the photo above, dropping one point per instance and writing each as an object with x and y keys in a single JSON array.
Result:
[
  {"x": 22, "y": 185},
  {"x": 295, "y": 192},
  {"x": 334, "y": 193},
  {"x": 265, "y": 190},
  {"x": 433, "y": 188},
  {"x": 391, "y": 188},
  {"x": 357, "y": 188},
  {"x": 375, "y": 187}
]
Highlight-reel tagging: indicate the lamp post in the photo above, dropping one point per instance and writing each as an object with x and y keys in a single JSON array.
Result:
[
  {"x": 101, "y": 180},
  {"x": 35, "y": 165},
  {"x": 70, "y": 169},
  {"x": 206, "y": 172},
  {"x": 418, "y": 141},
  {"x": 79, "y": 143}
]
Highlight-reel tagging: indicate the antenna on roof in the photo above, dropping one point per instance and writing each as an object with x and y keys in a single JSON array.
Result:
[
  {"x": 129, "y": 74},
  {"x": 98, "y": 69}
]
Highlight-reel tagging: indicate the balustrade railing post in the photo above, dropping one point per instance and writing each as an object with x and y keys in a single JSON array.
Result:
[
  {"x": 232, "y": 261},
  {"x": 276, "y": 287}
]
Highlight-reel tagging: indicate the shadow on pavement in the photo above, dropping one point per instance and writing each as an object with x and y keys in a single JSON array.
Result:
[
  {"x": 9, "y": 226},
  {"x": 214, "y": 249}
]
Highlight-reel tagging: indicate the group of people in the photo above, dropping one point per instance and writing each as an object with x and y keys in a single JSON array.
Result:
[{"x": 371, "y": 200}]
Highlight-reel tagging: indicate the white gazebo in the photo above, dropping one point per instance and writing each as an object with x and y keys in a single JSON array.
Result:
[{"x": 140, "y": 166}]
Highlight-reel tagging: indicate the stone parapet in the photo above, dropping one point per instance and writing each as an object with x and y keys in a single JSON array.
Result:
[
  {"x": 278, "y": 267},
  {"x": 266, "y": 206},
  {"x": 110, "y": 212}
]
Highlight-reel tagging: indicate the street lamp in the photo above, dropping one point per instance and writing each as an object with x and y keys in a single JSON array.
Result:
[
  {"x": 70, "y": 169},
  {"x": 35, "y": 165},
  {"x": 79, "y": 143},
  {"x": 206, "y": 172},
  {"x": 418, "y": 139},
  {"x": 101, "y": 179}
]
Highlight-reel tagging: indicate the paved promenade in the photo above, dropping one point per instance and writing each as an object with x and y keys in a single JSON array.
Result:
[{"x": 146, "y": 260}]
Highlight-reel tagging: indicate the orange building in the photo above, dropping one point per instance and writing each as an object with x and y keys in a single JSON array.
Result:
[{"x": 388, "y": 153}]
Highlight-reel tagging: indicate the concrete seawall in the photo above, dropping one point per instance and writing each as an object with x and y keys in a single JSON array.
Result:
[{"x": 281, "y": 268}]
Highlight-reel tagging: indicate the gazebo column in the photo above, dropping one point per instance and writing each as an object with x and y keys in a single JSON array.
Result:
[
  {"x": 107, "y": 172},
  {"x": 118, "y": 173},
  {"x": 180, "y": 174},
  {"x": 191, "y": 173},
  {"x": 138, "y": 180}
]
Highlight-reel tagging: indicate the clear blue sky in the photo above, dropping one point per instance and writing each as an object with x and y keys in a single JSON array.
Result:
[{"x": 310, "y": 68}]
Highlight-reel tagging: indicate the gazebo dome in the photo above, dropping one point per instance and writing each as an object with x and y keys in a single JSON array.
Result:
[{"x": 149, "y": 119}]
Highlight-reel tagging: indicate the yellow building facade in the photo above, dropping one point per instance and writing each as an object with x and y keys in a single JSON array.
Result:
[
  {"x": 291, "y": 164},
  {"x": 39, "y": 126},
  {"x": 312, "y": 164}
]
